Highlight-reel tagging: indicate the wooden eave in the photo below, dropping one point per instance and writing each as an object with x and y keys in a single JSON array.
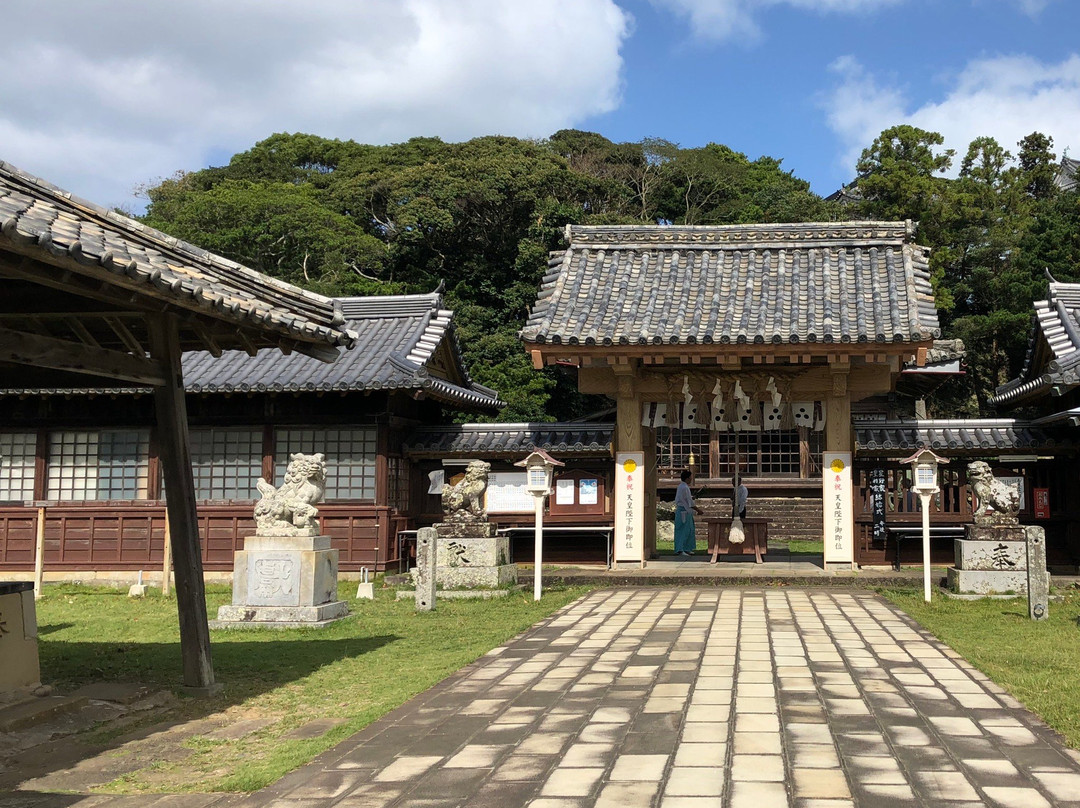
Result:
[
  {"x": 205, "y": 327},
  {"x": 721, "y": 354}
]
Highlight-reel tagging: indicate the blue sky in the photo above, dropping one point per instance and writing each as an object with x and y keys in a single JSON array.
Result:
[
  {"x": 780, "y": 92},
  {"x": 159, "y": 88}
]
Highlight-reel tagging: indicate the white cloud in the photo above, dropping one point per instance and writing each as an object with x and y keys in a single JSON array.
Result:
[
  {"x": 1005, "y": 97},
  {"x": 733, "y": 19},
  {"x": 110, "y": 94}
]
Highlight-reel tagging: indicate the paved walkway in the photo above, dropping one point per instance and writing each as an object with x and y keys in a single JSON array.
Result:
[
  {"x": 691, "y": 698},
  {"x": 688, "y": 698}
]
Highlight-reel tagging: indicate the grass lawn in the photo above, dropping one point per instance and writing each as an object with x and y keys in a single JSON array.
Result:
[
  {"x": 1038, "y": 662},
  {"x": 804, "y": 547},
  {"x": 798, "y": 547},
  {"x": 356, "y": 670}
]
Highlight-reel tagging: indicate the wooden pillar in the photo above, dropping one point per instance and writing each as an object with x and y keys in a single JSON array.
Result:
[
  {"x": 651, "y": 487},
  {"x": 838, "y": 414},
  {"x": 629, "y": 438},
  {"x": 628, "y": 427},
  {"x": 838, "y": 438},
  {"x": 382, "y": 462},
  {"x": 172, "y": 431}
]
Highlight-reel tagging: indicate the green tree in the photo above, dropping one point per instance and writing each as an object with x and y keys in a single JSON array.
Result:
[
  {"x": 1038, "y": 164},
  {"x": 278, "y": 228},
  {"x": 898, "y": 180},
  {"x": 481, "y": 216}
]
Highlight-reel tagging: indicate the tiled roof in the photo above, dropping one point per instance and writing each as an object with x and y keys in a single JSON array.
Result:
[
  {"x": 41, "y": 221},
  {"x": 970, "y": 436},
  {"x": 396, "y": 338},
  {"x": 490, "y": 440},
  {"x": 1053, "y": 355},
  {"x": 1065, "y": 178},
  {"x": 845, "y": 282}
]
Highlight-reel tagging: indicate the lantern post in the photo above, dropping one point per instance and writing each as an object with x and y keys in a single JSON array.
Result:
[
  {"x": 539, "y": 469},
  {"x": 924, "y": 465}
]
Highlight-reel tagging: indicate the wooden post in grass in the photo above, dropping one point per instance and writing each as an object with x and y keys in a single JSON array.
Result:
[
  {"x": 166, "y": 563},
  {"x": 39, "y": 554},
  {"x": 183, "y": 519}
]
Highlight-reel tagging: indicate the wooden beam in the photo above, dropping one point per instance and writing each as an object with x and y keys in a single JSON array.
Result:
[
  {"x": 48, "y": 352},
  {"x": 81, "y": 332},
  {"x": 63, "y": 280},
  {"x": 125, "y": 335},
  {"x": 174, "y": 446}
]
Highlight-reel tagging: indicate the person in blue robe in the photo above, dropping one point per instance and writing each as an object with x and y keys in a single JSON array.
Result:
[{"x": 685, "y": 536}]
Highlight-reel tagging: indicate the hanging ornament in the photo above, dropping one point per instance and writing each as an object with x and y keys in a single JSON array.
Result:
[{"x": 803, "y": 413}]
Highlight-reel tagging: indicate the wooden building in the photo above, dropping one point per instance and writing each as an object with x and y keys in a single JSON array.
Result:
[
  {"x": 580, "y": 511},
  {"x": 1047, "y": 391},
  {"x": 81, "y": 463},
  {"x": 92, "y": 298},
  {"x": 736, "y": 347}
]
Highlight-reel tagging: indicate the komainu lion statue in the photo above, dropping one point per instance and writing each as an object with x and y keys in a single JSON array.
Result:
[
  {"x": 990, "y": 492},
  {"x": 290, "y": 510},
  {"x": 464, "y": 501}
]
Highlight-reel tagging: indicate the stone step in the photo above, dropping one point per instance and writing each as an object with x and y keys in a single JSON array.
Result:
[{"x": 37, "y": 710}]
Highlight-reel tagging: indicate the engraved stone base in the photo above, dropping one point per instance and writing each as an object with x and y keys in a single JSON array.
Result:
[
  {"x": 470, "y": 530},
  {"x": 472, "y": 556},
  {"x": 20, "y": 669},
  {"x": 991, "y": 532},
  {"x": 286, "y": 580},
  {"x": 280, "y": 616},
  {"x": 1000, "y": 556},
  {"x": 986, "y": 582},
  {"x": 991, "y": 559}
]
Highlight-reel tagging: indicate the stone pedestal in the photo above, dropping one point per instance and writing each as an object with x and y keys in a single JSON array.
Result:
[
  {"x": 472, "y": 555},
  {"x": 991, "y": 559},
  {"x": 283, "y": 582},
  {"x": 19, "y": 667}
]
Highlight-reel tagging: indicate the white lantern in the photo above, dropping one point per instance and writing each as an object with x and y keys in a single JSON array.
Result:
[
  {"x": 539, "y": 467},
  {"x": 925, "y": 467},
  {"x": 925, "y": 464}
]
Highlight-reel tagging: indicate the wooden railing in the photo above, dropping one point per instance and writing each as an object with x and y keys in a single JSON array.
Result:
[{"x": 131, "y": 536}]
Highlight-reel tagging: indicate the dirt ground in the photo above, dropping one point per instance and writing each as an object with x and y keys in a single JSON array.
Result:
[{"x": 79, "y": 742}]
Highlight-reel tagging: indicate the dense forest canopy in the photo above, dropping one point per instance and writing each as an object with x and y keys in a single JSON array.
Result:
[{"x": 345, "y": 218}]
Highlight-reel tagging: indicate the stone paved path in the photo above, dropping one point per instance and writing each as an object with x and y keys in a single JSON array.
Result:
[
  {"x": 703, "y": 697},
  {"x": 688, "y": 698}
]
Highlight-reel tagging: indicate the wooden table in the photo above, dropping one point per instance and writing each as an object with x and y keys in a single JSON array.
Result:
[{"x": 757, "y": 538}]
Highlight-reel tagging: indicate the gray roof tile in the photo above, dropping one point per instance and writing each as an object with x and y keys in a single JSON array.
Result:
[
  {"x": 743, "y": 284},
  {"x": 42, "y": 221},
  {"x": 976, "y": 436},
  {"x": 396, "y": 336},
  {"x": 511, "y": 440},
  {"x": 1053, "y": 354}
]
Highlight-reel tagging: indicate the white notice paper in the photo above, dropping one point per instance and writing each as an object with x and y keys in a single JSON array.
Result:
[
  {"x": 564, "y": 492},
  {"x": 587, "y": 492}
]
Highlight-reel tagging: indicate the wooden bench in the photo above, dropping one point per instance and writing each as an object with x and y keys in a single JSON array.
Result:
[
  {"x": 899, "y": 532},
  {"x": 757, "y": 538},
  {"x": 606, "y": 532}
]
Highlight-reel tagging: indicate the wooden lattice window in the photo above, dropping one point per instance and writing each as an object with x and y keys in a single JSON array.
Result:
[
  {"x": 398, "y": 468},
  {"x": 90, "y": 465},
  {"x": 226, "y": 462},
  {"x": 350, "y": 454},
  {"x": 674, "y": 447},
  {"x": 17, "y": 455}
]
